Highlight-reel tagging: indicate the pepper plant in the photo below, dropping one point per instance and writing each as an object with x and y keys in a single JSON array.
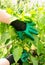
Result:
[{"x": 9, "y": 40}]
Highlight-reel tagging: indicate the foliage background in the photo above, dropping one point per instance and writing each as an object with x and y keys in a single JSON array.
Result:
[{"x": 9, "y": 41}]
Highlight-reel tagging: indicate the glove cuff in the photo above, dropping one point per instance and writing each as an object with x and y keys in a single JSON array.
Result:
[{"x": 10, "y": 59}]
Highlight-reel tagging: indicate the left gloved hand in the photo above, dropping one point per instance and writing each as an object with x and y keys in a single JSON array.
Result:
[
  {"x": 11, "y": 60},
  {"x": 24, "y": 28},
  {"x": 24, "y": 56}
]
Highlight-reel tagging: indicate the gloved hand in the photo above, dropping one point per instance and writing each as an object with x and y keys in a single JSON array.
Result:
[
  {"x": 24, "y": 56},
  {"x": 11, "y": 60},
  {"x": 24, "y": 28}
]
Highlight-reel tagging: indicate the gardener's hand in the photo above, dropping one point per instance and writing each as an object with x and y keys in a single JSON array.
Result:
[
  {"x": 20, "y": 26},
  {"x": 24, "y": 56},
  {"x": 5, "y": 17},
  {"x": 24, "y": 28},
  {"x": 11, "y": 60},
  {"x": 4, "y": 61}
]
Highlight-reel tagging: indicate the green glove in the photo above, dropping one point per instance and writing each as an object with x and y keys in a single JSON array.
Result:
[
  {"x": 24, "y": 28},
  {"x": 28, "y": 31},
  {"x": 24, "y": 56}
]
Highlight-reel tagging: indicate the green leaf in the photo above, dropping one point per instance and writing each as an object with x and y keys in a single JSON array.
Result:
[
  {"x": 44, "y": 64},
  {"x": 4, "y": 37},
  {"x": 40, "y": 48},
  {"x": 26, "y": 63},
  {"x": 34, "y": 60},
  {"x": 17, "y": 52}
]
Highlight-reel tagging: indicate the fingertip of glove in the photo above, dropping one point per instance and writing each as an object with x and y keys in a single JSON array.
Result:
[
  {"x": 37, "y": 33},
  {"x": 32, "y": 39}
]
